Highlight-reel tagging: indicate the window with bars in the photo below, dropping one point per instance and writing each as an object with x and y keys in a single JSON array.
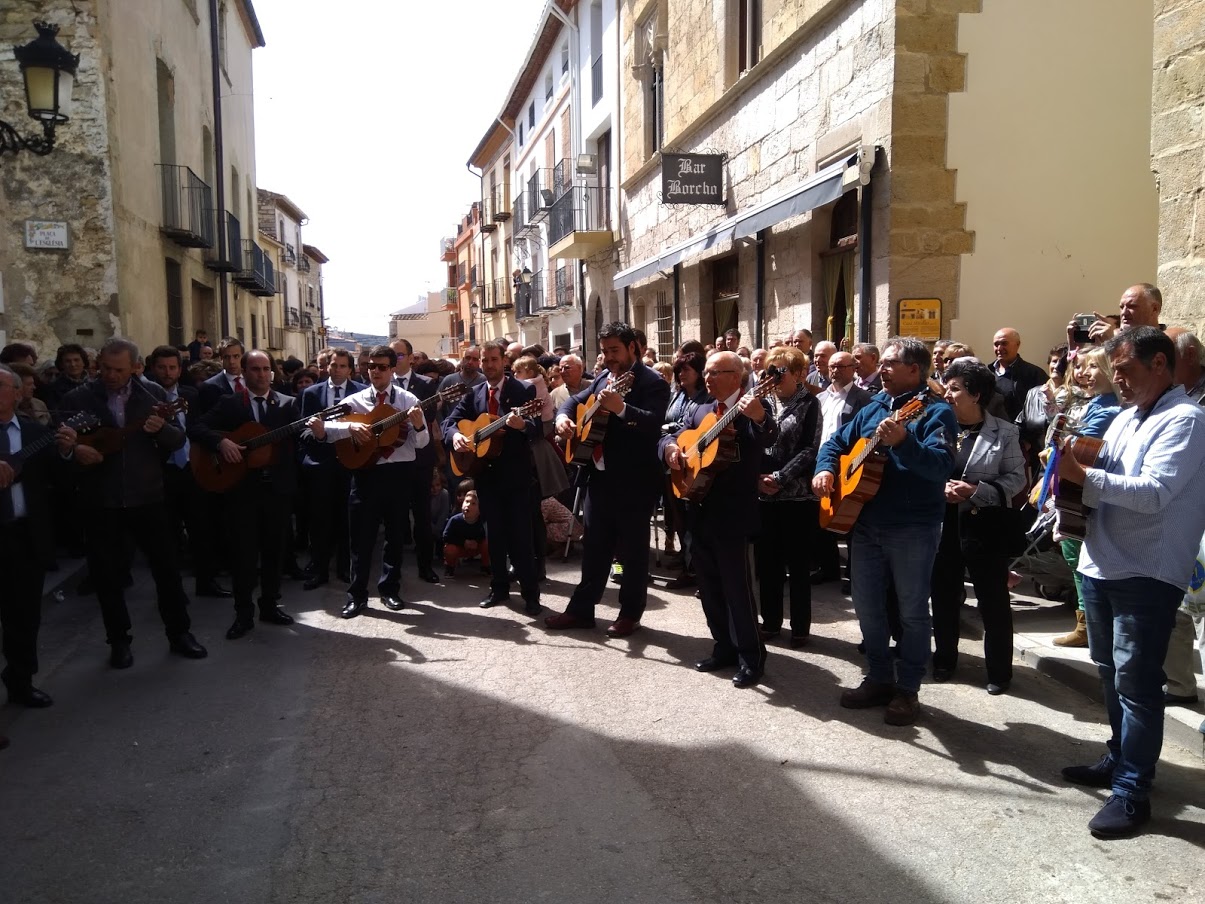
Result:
[{"x": 665, "y": 327}]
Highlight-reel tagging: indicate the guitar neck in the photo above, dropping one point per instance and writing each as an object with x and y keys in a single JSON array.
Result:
[
  {"x": 28, "y": 450},
  {"x": 722, "y": 424},
  {"x": 385, "y": 423},
  {"x": 275, "y": 436},
  {"x": 493, "y": 427}
]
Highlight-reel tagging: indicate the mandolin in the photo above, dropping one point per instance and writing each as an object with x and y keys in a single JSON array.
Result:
[
  {"x": 861, "y": 474},
  {"x": 215, "y": 475},
  {"x": 79, "y": 422},
  {"x": 592, "y": 420},
  {"x": 710, "y": 447},
  {"x": 389, "y": 426},
  {"x": 107, "y": 440},
  {"x": 482, "y": 445}
]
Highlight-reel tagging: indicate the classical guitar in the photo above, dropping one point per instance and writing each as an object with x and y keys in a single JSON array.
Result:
[
  {"x": 80, "y": 422},
  {"x": 592, "y": 420},
  {"x": 215, "y": 475},
  {"x": 1069, "y": 496},
  {"x": 861, "y": 474},
  {"x": 389, "y": 427},
  {"x": 482, "y": 443},
  {"x": 710, "y": 447},
  {"x": 107, "y": 440}
]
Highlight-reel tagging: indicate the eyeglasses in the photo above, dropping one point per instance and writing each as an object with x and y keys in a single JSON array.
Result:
[
  {"x": 890, "y": 362},
  {"x": 839, "y": 366},
  {"x": 379, "y": 367},
  {"x": 712, "y": 373}
]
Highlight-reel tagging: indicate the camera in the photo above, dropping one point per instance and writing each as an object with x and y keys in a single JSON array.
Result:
[{"x": 1082, "y": 323}]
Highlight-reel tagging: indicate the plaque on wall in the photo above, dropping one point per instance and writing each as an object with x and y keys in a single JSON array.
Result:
[
  {"x": 920, "y": 318},
  {"x": 47, "y": 235},
  {"x": 692, "y": 178}
]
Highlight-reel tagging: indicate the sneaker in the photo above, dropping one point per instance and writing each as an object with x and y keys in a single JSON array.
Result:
[
  {"x": 1119, "y": 817},
  {"x": 1099, "y": 775},
  {"x": 903, "y": 709},
  {"x": 867, "y": 694},
  {"x": 616, "y": 572}
]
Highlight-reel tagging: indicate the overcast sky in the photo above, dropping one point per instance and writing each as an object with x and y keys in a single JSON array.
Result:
[{"x": 365, "y": 114}]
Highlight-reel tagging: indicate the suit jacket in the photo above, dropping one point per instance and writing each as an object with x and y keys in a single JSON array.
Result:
[
  {"x": 314, "y": 399},
  {"x": 132, "y": 476},
  {"x": 37, "y": 475},
  {"x": 231, "y": 412},
  {"x": 210, "y": 392},
  {"x": 996, "y": 456},
  {"x": 630, "y": 443},
  {"x": 421, "y": 387},
  {"x": 855, "y": 400},
  {"x": 512, "y": 469}
]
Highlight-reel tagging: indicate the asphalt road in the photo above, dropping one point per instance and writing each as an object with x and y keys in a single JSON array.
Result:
[{"x": 450, "y": 754}]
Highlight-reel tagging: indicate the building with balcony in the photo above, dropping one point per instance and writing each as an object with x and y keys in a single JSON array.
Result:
[
  {"x": 157, "y": 210},
  {"x": 300, "y": 307},
  {"x": 464, "y": 281}
]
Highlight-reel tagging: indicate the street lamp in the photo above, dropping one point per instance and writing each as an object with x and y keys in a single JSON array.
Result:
[
  {"x": 49, "y": 73},
  {"x": 525, "y": 276},
  {"x": 473, "y": 310}
]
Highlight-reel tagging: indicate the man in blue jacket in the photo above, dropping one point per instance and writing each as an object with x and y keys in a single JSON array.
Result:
[{"x": 895, "y": 538}]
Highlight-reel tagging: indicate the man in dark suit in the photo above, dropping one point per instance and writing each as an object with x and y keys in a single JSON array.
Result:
[
  {"x": 324, "y": 481},
  {"x": 504, "y": 483},
  {"x": 229, "y": 381},
  {"x": 623, "y": 483},
  {"x": 723, "y": 522},
  {"x": 257, "y": 506},
  {"x": 123, "y": 491},
  {"x": 419, "y": 503}
]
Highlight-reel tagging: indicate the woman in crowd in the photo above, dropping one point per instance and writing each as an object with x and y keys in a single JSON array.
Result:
[
  {"x": 688, "y": 394},
  {"x": 989, "y": 470},
  {"x": 29, "y": 405},
  {"x": 71, "y": 363},
  {"x": 789, "y": 510},
  {"x": 1040, "y": 407},
  {"x": 302, "y": 380},
  {"x": 1092, "y": 411}
]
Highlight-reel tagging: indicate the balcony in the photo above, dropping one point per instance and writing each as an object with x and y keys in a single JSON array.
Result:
[
  {"x": 292, "y": 319},
  {"x": 447, "y": 250},
  {"x": 501, "y": 206},
  {"x": 502, "y": 294},
  {"x": 529, "y": 299},
  {"x": 539, "y": 195},
  {"x": 596, "y": 82},
  {"x": 462, "y": 276},
  {"x": 451, "y": 298},
  {"x": 307, "y": 320},
  {"x": 303, "y": 264},
  {"x": 488, "y": 305},
  {"x": 231, "y": 259},
  {"x": 187, "y": 207},
  {"x": 290, "y": 254},
  {"x": 565, "y": 290},
  {"x": 576, "y": 225},
  {"x": 257, "y": 274},
  {"x": 488, "y": 220},
  {"x": 548, "y": 299}
]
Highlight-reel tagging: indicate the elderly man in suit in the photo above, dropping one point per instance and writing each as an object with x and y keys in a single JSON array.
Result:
[{"x": 623, "y": 483}]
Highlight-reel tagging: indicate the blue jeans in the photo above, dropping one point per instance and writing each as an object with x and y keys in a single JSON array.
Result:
[
  {"x": 1129, "y": 624},
  {"x": 899, "y": 555}
]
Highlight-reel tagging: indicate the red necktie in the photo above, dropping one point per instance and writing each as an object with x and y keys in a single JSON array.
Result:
[
  {"x": 242, "y": 390},
  {"x": 723, "y": 407},
  {"x": 381, "y": 398},
  {"x": 493, "y": 404}
]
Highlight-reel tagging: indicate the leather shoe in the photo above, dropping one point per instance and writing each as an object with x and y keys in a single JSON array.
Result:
[
  {"x": 274, "y": 615},
  {"x": 240, "y": 628},
  {"x": 313, "y": 583},
  {"x": 393, "y": 603},
  {"x": 713, "y": 664},
  {"x": 997, "y": 689},
  {"x": 746, "y": 677},
  {"x": 353, "y": 608},
  {"x": 941, "y": 676},
  {"x": 429, "y": 575},
  {"x": 1178, "y": 700},
  {"x": 563, "y": 621},
  {"x": 623, "y": 627},
  {"x": 494, "y": 599},
  {"x": 29, "y": 696},
  {"x": 213, "y": 589},
  {"x": 800, "y": 640},
  {"x": 681, "y": 582},
  {"x": 532, "y": 607},
  {"x": 120, "y": 656},
  {"x": 186, "y": 645}
]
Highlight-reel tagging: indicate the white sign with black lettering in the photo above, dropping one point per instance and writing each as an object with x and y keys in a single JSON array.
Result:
[{"x": 47, "y": 235}]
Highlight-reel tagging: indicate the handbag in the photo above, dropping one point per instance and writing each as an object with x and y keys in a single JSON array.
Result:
[{"x": 993, "y": 529}]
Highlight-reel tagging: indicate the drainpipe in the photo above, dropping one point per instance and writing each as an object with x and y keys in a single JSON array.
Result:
[
  {"x": 219, "y": 160},
  {"x": 759, "y": 292},
  {"x": 677, "y": 305},
  {"x": 864, "y": 262}
]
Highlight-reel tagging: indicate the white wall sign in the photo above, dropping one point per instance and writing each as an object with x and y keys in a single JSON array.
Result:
[{"x": 45, "y": 234}]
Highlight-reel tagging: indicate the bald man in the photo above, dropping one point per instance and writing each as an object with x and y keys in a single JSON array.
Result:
[
  {"x": 1014, "y": 375},
  {"x": 1140, "y": 305},
  {"x": 818, "y": 376}
]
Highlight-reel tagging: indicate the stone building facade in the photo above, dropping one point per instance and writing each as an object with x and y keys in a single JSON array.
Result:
[{"x": 297, "y": 306}]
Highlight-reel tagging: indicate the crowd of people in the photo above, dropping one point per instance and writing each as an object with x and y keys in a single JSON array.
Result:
[{"x": 233, "y": 462}]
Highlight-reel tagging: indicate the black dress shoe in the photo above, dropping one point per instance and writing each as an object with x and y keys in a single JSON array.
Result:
[
  {"x": 429, "y": 575},
  {"x": 120, "y": 656},
  {"x": 1180, "y": 700},
  {"x": 186, "y": 645},
  {"x": 274, "y": 615},
  {"x": 29, "y": 696},
  {"x": 713, "y": 664},
  {"x": 313, "y": 583},
  {"x": 353, "y": 608},
  {"x": 746, "y": 677},
  {"x": 494, "y": 599},
  {"x": 393, "y": 603},
  {"x": 213, "y": 589},
  {"x": 532, "y": 607},
  {"x": 941, "y": 676},
  {"x": 240, "y": 628}
]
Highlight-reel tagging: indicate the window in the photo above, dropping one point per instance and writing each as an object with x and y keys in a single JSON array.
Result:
[
  {"x": 166, "y": 96},
  {"x": 748, "y": 34},
  {"x": 175, "y": 302},
  {"x": 665, "y": 327},
  {"x": 531, "y": 115},
  {"x": 548, "y": 86},
  {"x": 222, "y": 36},
  {"x": 520, "y": 134},
  {"x": 654, "y": 112},
  {"x": 596, "y": 53},
  {"x": 564, "y": 58}
]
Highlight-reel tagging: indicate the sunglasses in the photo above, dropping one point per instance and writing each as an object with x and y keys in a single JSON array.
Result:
[{"x": 379, "y": 367}]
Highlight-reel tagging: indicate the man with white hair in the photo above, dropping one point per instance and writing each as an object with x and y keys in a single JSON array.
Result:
[
  {"x": 818, "y": 373},
  {"x": 573, "y": 368}
]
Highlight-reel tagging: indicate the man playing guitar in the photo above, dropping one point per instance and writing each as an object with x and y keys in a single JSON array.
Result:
[
  {"x": 624, "y": 481},
  {"x": 894, "y": 540}
]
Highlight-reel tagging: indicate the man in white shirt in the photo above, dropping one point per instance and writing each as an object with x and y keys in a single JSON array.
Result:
[{"x": 572, "y": 371}]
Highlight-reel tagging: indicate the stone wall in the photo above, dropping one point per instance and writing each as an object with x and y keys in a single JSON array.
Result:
[{"x": 1178, "y": 158}]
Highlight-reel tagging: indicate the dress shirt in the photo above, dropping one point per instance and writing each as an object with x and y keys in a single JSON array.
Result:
[
  {"x": 17, "y": 490},
  {"x": 180, "y": 456},
  {"x": 259, "y": 407},
  {"x": 365, "y": 401},
  {"x": 1148, "y": 492},
  {"x": 832, "y": 406},
  {"x": 404, "y": 380},
  {"x": 117, "y": 404},
  {"x": 332, "y": 389}
]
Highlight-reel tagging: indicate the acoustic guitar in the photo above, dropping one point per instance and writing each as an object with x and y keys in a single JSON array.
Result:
[
  {"x": 592, "y": 420},
  {"x": 389, "y": 427},
  {"x": 259, "y": 444},
  {"x": 710, "y": 447},
  {"x": 107, "y": 440},
  {"x": 80, "y": 422},
  {"x": 1069, "y": 496},
  {"x": 861, "y": 474},
  {"x": 482, "y": 443}
]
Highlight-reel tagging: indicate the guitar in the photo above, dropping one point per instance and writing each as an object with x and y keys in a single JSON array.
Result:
[
  {"x": 710, "y": 447},
  {"x": 481, "y": 444},
  {"x": 215, "y": 475},
  {"x": 16, "y": 460},
  {"x": 107, "y": 440},
  {"x": 1068, "y": 496},
  {"x": 592, "y": 420},
  {"x": 861, "y": 474},
  {"x": 389, "y": 427}
]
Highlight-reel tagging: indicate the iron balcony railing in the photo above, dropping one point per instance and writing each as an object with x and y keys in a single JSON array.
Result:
[
  {"x": 230, "y": 260},
  {"x": 447, "y": 249},
  {"x": 307, "y": 320},
  {"x": 487, "y": 298},
  {"x": 548, "y": 299},
  {"x": 596, "y": 82},
  {"x": 187, "y": 207},
  {"x": 257, "y": 274},
  {"x": 303, "y": 264},
  {"x": 290, "y": 254},
  {"x": 520, "y": 219},
  {"x": 501, "y": 205},
  {"x": 564, "y": 288},
  {"x": 451, "y": 297},
  {"x": 502, "y": 294},
  {"x": 539, "y": 195},
  {"x": 292, "y": 318},
  {"x": 529, "y": 298},
  {"x": 575, "y": 211},
  {"x": 562, "y": 178}
]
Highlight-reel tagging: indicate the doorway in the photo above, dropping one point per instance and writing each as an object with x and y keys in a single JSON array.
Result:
[{"x": 202, "y": 308}]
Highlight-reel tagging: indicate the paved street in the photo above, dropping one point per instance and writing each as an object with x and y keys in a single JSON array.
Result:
[{"x": 451, "y": 754}]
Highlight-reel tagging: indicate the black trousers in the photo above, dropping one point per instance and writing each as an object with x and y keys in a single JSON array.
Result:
[
  {"x": 20, "y": 602},
  {"x": 186, "y": 509},
  {"x": 989, "y": 576},
  {"x": 782, "y": 549},
  {"x": 418, "y": 507},
  {"x": 378, "y": 499},
  {"x": 108, "y": 562},
  {"x": 722, "y": 568},
  {"x": 826, "y": 555},
  {"x": 618, "y": 522},
  {"x": 260, "y": 515},
  {"x": 507, "y": 514},
  {"x": 326, "y": 490}
]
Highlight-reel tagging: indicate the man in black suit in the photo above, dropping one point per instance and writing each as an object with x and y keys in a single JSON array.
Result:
[
  {"x": 123, "y": 491},
  {"x": 722, "y": 523},
  {"x": 26, "y": 538},
  {"x": 419, "y": 503},
  {"x": 325, "y": 482},
  {"x": 504, "y": 483},
  {"x": 229, "y": 381},
  {"x": 257, "y": 506},
  {"x": 623, "y": 483}
]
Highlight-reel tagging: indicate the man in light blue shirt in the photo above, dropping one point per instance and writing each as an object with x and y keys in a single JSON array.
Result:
[{"x": 1147, "y": 490}]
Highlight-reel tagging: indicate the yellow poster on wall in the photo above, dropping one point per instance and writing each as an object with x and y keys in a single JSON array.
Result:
[{"x": 920, "y": 318}]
